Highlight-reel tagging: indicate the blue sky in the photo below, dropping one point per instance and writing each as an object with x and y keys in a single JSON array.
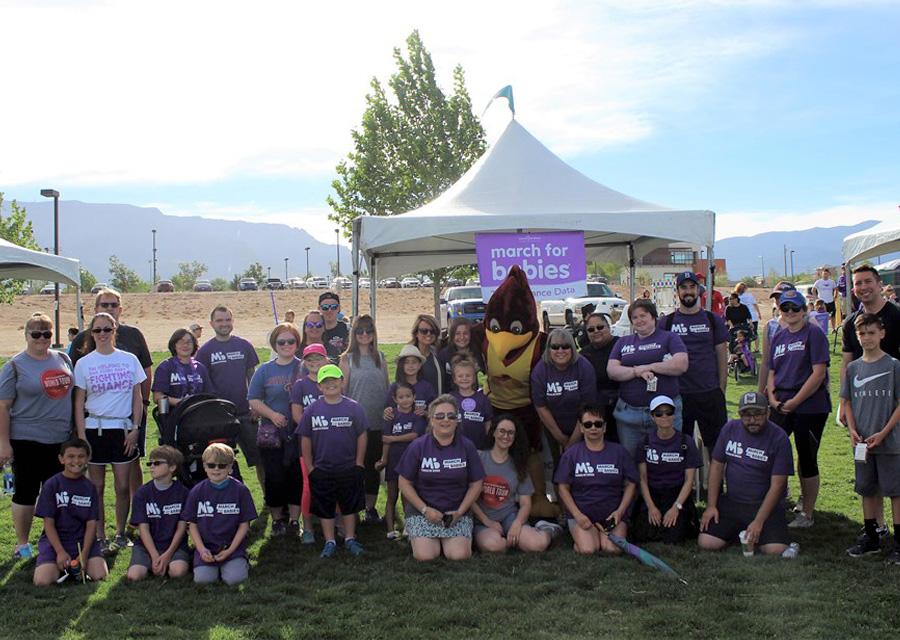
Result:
[{"x": 776, "y": 115}]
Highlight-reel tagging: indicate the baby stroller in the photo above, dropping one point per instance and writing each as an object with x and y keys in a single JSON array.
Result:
[{"x": 198, "y": 421}]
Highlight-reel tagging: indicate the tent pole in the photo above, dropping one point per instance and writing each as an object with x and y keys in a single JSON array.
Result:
[
  {"x": 79, "y": 317},
  {"x": 355, "y": 267},
  {"x": 710, "y": 276},
  {"x": 632, "y": 291},
  {"x": 373, "y": 286}
]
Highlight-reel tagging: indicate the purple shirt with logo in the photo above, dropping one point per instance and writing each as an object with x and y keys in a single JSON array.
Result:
[
  {"x": 596, "y": 478},
  {"x": 475, "y": 412},
  {"x": 177, "y": 379},
  {"x": 441, "y": 475},
  {"x": 305, "y": 392},
  {"x": 424, "y": 394},
  {"x": 217, "y": 514},
  {"x": 333, "y": 429},
  {"x": 752, "y": 459},
  {"x": 161, "y": 510},
  {"x": 402, "y": 424},
  {"x": 700, "y": 336},
  {"x": 667, "y": 460},
  {"x": 72, "y": 503},
  {"x": 228, "y": 364},
  {"x": 563, "y": 392},
  {"x": 633, "y": 351},
  {"x": 791, "y": 357}
]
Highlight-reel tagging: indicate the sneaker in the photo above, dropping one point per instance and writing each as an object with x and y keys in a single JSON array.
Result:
[
  {"x": 393, "y": 535},
  {"x": 23, "y": 552},
  {"x": 548, "y": 527},
  {"x": 802, "y": 521},
  {"x": 893, "y": 557},
  {"x": 354, "y": 547},
  {"x": 121, "y": 541},
  {"x": 293, "y": 528},
  {"x": 882, "y": 531},
  {"x": 329, "y": 549},
  {"x": 372, "y": 517},
  {"x": 107, "y": 549},
  {"x": 308, "y": 537},
  {"x": 864, "y": 547},
  {"x": 798, "y": 508},
  {"x": 279, "y": 528}
]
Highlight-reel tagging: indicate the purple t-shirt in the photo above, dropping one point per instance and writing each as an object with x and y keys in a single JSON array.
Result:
[
  {"x": 305, "y": 392},
  {"x": 752, "y": 459},
  {"x": 161, "y": 510},
  {"x": 700, "y": 337},
  {"x": 633, "y": 350},
  {"x": 791, "y": 357},
  {"x": 72, "y": 503},
  {"x": 333, "y": 429},
  {"x": 177, "y": 380},
  {"x": 402, "y": 424},
  {"x": 667, "y": 460},
  {"x": 475, "y": 412},
  {"x": 441, "y": 475},
  {"x": 596, "y": 478},
  {"x": 228, "y": 364},
  {"x": 217, "y": 514},
  {"x": 424, "y": 394},
  {"x": 563, "y": 392}
]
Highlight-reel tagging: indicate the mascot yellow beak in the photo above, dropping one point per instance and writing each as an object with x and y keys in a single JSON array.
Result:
[{"x": 503, "y": 342}]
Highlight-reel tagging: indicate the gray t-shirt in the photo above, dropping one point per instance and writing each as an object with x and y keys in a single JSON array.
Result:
[
  {"x": 501, "y": 488},
  {"x": 873, "y": 389},
  {"x": 41, "y": 391}
]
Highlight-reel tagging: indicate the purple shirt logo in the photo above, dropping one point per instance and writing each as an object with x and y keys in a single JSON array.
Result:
[{"x": 468, "y": 404}]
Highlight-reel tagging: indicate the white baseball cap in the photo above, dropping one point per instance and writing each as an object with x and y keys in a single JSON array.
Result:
[{"x": 660, "y": 400}]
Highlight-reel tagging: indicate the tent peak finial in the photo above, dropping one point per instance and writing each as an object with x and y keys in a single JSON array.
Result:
[{"x": 505, "y": 92}]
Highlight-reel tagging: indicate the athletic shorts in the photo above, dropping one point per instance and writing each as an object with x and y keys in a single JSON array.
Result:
[
  {"x": 506, "y": 523},
  {"x": 878, "y": 475},
  {"x": 108, "y": 447},
  {"x": 247, "y": 440},
  {"x": 140, "y": 556},
  {"x": 33, "y": 464},
  {"x": 830, "y": 308},
  {"x": 331, "y": 489},
  {"x": 734, "y": 517},
  {"x": 47, "y": 555}
]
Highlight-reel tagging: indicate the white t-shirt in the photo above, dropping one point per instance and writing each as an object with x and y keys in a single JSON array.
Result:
[
  {"x": 747, "y": 298},
  {"x": 108, "y": 382},
  {"x": 826, "y": 289}
]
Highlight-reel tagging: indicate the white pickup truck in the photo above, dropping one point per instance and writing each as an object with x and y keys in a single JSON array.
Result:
[{"x": 555, "y": 313}]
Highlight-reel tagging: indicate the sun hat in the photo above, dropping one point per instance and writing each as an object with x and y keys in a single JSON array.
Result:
[{"x": 411, "y": 351}]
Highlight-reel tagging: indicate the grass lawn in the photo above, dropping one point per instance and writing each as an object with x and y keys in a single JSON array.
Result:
[{"x": 291, "y": 593}]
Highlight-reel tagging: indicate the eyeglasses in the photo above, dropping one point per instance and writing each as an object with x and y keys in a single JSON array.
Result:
[
  {"x": 753, "y": 414},
  {"x": 557, "y": 347},
  {"x": 108, "y": 305},
  {"x": 155, "y": 463},
  {"x": 364, "y": 331},
  {"x": 286, "y": 342},
  {"x": 329, "y": 307},
  {"x": 314, "y": 325},
  {"x": 790, "y": 308},
  {"x": 593, "y": 424},
  {"x": 446, "y": 416},
  {"x": 665, "y": 413},
  {"x": 37, "y": 335},
  {"x": 596, "y": 329},
  {"x": 102, "y": 330},
  {"x": 216, "y": 465},
  {"x": 506, "y": 433},
  {"x": 426, "y": 331}
]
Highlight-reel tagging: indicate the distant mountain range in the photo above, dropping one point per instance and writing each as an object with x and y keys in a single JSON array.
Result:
[{"x": 94, "y": 232}]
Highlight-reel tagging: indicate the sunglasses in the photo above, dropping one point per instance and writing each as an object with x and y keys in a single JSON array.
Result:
[
  {"x": 427, "y": 331},
  {"x": 102, "y": 330},
  {"x": 329, "y": 307},
  {"x": 286, "y": 342},
  {"x": 446, "y": 416},
  {"x": 505, "y": 433},
  {"x": 216, "y": 465},
  {"x": 667, "y": 413},
  {"x": 557, "y": 347},
  {"x": 37, "y": 335},
  {"x": 315, "y": 325},
  {"x": 790, "y": 308},
  {"x": 593, "y": 424},
  {"x": 596, "y": 329},
  {"x": 155, "y": 463},
  {"x": 108, "y": 305},
  {"x": 364, "y": 331}
]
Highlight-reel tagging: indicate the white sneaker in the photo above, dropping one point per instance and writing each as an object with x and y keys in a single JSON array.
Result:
[
  {"x": 798, "y": 508},
  {"x": 548, "y": 527},
  {"x": 802, "y": 521}
]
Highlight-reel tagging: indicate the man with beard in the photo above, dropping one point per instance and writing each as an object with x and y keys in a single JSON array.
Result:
[{"x": 703, "y": 384}]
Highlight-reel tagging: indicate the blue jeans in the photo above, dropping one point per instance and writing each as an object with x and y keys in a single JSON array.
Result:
[{"x": 634, "y": 423}]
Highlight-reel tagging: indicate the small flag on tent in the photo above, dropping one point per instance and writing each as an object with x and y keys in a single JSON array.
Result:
[{"x": 505, "y": 92}]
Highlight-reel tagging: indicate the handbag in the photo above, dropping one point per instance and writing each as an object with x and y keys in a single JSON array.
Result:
[{"x": 268, "y": 436}]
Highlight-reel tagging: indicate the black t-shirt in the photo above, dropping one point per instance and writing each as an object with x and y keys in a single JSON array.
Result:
[
  {"x": 599, "y": 358},
  {"x": 890, "y": 316},
  {"x": 336, "y": 340},
  {"x": 128, "y": 339},
  {"x": 737, "y": 315}
]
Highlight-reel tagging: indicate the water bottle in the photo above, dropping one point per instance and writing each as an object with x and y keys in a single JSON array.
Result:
[
  {"x": 9, "y": 481},
  {"x": 792, "y": 551},
  {"x": 74, "y": 570}
]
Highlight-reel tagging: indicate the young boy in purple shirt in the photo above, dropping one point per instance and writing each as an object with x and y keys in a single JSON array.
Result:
[
  {"x": 69, "y": 505},
  {"x": 156, "y": 512},
  {"x": 333, "y": 441},
  {"x": 475, "y": 411},
  {"x": 754, "y": 456},
  {"x": 218, "y": 512}
]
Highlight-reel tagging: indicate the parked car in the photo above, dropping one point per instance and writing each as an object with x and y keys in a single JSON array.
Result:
[
  {"x": 341, "y": 282},
  {"x": 568, "y": 311},
  {"x": 462, "y": 302},
  {"x": 97, "y": 287},
  {"x": 317, "y": 282},
  {"x": 390, "y": 283},
  {"x": 274, "y": 284},
  {"x": 365, "y": 283},
  {"x": 454, "y": 282},
  {"x": 426, "y": 282},
  {"x": 165, "y": 286},
  {"x": 410, "y": 283},
  {"x": 203, "y": 285},
  {"x": 297, "y": 283},
  {"x": 247, "y": 284},
  {"x": 49, "y": 289},
  {"x": 473, "y": 282}
]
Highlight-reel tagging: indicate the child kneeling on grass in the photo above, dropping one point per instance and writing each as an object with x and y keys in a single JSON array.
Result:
[
  {"x": 156, "y": 512},
  {"x": 218, "y": 512},
  {"x": 871, "y": 392},
  {"x": 69, "y": 505}
]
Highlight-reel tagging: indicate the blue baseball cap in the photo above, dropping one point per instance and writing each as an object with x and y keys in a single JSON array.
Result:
[
  {"x": 793, "y": 296},
  {"x": 684, "y": 276}
]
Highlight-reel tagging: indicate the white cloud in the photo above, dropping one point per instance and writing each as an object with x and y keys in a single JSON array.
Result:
[{"x": 750, "y": 223}]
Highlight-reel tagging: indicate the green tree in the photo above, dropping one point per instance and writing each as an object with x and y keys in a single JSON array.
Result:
[
  {"x": 188, "y": 274},
  {"x": 256, "y": 272},
  {"x": 87, "y": 280},
  {"x": 123, "y": 278},
  {"x": 221, "y": 284},
  {"x": 410, "y": 147},
  {"x": 15, "y": 228}
]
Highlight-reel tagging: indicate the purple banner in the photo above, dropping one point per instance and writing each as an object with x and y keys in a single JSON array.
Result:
[{"x": 553, "y": 262}]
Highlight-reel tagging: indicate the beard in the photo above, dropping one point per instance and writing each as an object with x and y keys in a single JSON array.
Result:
[{"x": 688, "y": 299}]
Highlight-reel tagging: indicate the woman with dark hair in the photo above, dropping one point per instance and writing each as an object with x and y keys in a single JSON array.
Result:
[
  {"x": 366, "y": 381},
  {"x": 313, "y": 329},
  {"x": 181, "y": 375},
  {"x": 646, "y": 364},
  {"x": 35, "y": 418},
  {"x": 458, "y": 345},
  {"x": 596, "y": 351},
  {"x": 502, "y": 510},
  {"x": 425, "y": 333}
]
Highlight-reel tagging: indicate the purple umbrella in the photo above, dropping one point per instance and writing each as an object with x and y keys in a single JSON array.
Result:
[{"x": 645, "y": 557}]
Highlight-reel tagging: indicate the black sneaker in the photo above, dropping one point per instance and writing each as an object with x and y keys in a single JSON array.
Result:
[
  {"x": 864, "y": 547},
  {"x": 893, "y": 557},
  {"x": 882, "y": 531},
  {"x": 293, "y": 528},
  {"x": 279, "y": 528}
]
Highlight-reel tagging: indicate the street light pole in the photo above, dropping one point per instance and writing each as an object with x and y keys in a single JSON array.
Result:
[
  {"x": 792, "y": 265},
  {"x": 154, "y": 256},
  {"x": 269, "y": 272},
  {"x": 52, "y": 193},
  {"x": 307, "y": 262},
  {"x": 762, "y": 270},
  {"x": 337, "y": 249},
  {"x": 785, "y": 261},
  {"x": 286, "y": 270}
]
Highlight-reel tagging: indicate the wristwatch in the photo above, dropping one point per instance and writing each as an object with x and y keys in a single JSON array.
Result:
[{"x": 678, "y": 505}]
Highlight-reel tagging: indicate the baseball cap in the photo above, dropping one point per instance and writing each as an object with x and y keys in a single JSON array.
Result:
[
  {"x": 195, "y": 326},
  {"x": 686, "y": 275},
  {"x": 793, "y": 296},
  {"x": 753, "y": 400},
  {"x": 329, "y": 371},
  {"x": 781, "y": 287},
  {"x": 660, "y": 400},
  {"x": 315, "y": 348},
  {"x": 329, "y": 295}
]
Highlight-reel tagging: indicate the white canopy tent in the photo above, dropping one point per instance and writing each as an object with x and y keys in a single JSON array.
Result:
[
  {"x": 24, "y": 264},
  {"x": 519, "y": 185},
  {"x": 876, "y": 241}
]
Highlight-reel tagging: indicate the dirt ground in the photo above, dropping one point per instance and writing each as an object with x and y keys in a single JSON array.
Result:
[{"x": 157, "y": 315}]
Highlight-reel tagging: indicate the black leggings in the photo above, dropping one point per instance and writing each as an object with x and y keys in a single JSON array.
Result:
[
  {"x": 372, "y": 477},
  {"x": 807, "y": 429},
  {"x": 283, "y": 479}
]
